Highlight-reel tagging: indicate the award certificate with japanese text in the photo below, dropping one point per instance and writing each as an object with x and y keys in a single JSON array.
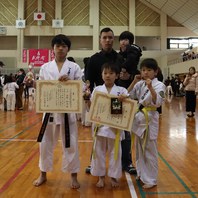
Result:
[
  {"x": 53, "y": 96},
  {"x": 100, "y": 112}
]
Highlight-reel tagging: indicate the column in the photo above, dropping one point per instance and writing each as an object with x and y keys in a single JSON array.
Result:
[
  {"x": 94, "y": 22},
  {"x": 20, "y": 33},
  {"x": 132, "y": 17},
  {"x": 58, "y": 15}
]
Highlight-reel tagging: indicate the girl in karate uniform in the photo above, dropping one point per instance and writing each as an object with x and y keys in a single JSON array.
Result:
[{"x": 150, "y": 94}]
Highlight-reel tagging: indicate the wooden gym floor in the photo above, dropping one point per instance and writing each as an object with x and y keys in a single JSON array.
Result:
[{"x": 19, "y": 153}]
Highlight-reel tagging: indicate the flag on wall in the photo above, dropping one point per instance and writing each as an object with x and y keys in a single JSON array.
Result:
[
  {"x": 38, "y": 56},
  {"x": 39, "y": 16},
  {"x": 20, "y": 24},
  {"x": 57, "y": 23}
]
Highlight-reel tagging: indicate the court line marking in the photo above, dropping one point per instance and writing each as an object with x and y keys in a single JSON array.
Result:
[
  {"x": 18, "y": 171},
  {"x": 18, "y": 134},
  {"x": 131, "y": 186},
  {"x": 177, "y": 176},
  {"x": 24, "y": 118}
]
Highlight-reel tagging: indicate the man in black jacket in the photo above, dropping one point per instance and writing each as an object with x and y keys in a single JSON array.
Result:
[{"x": 107, "y": 54}]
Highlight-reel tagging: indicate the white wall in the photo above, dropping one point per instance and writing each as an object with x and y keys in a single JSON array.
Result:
[{"x": 183, "y": 67}]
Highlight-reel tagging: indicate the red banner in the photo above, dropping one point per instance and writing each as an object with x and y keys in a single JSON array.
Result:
[
  {"x": 38, "y": 56},
  {"x": 24, "y": 56}
]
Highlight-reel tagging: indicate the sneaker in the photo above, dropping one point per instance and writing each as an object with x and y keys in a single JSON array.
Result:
[
  {"x": 190, "y": 114},
  {"x": 130, "y": 169},
  {"x": 88, "y": 170}
]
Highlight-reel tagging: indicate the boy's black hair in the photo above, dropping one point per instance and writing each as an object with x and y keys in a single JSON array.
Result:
[
  {"x": 127, "y": 35},
  {"x": 149, "y": 63},
  {"x": 107, "y": 29},
  {"x": 61, "y": 39},
  {"x": 112, "y": 66}
]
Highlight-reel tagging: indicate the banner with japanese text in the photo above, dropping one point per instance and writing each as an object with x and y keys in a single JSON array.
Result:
[
  {"x": 38, "y": 56},
  {"x": 24, "y": 59}
]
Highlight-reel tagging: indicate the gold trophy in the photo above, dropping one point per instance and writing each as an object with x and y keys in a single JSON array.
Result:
[{"x": 87, "y": 92}]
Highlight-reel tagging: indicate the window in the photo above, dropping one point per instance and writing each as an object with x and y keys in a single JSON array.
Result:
[{"x": 181, "y": 43}]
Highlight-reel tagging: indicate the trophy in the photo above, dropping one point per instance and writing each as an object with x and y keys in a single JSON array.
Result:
[
  {"x": 116, "y": 106},
  {"x": 87, "y": 92}
]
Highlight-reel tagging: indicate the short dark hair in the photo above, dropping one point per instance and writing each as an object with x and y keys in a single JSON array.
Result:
[
  {"x": 127, "y": 35},
  {"x": 61, "y": 39},
  {"x": 149, "y": 63},
  {"x": 22, "y": 70},
  {"x": 107, "y": 29},
  {"x": 112, "y": 66},
  {"x": 192, "y": 68}
]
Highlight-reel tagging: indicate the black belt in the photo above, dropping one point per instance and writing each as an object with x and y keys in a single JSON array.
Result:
[
  {"x": 44, "y": 125},
  {"x": 67, "y": 132},
  {"x": 141, "y": 107}
]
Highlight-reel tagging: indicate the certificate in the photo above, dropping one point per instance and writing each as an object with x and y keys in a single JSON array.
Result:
[
  {"x": 100, "y": 112},
  {"x": 53, "y": 96}
]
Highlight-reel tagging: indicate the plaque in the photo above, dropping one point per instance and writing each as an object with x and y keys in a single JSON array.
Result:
[{"x": 100, "y": 112}]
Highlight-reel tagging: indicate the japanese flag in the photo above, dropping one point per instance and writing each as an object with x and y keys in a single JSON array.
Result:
[{"x": 39, "y": 16}]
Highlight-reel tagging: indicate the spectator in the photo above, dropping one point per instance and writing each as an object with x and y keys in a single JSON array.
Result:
[
  {"x": 19, "y": 92},
  {"x": 191, "y": 89}
]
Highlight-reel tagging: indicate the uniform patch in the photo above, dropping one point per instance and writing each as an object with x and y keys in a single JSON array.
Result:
[{"x": 161, "y": 93}]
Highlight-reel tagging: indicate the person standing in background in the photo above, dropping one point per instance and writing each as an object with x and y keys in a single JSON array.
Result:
[
  {"x": 107, "y": 54},
  {"x": 160, "y": 77},
  {"x": 10, "y": 88},
  {"x": 191, "y": 89},
  {"x": 131, "y": 54},
  {"x": 19, "y": 92}
]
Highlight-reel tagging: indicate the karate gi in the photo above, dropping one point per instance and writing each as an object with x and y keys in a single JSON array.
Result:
[
  {"x": 105, "y": 142},
  {"x": 147, "y": 161},
  {"x": 70, "y": 162},
  {"x": 10, "y": 95}
]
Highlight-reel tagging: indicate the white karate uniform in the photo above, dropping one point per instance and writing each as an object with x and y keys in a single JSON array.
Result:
[
  {"x": 169, "y": 90},
  {"x": 10, "y": 95},
  {"x": 85, "y": 112},
  {"x": 70, "y": 163},
  {"x": 105, "y": 142},
  {"x": 147, "y": 162}
]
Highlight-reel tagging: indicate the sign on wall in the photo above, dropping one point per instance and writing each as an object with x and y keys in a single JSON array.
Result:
[
  {"x": 24, "y": 59},
  {"x": 38, "y": 56}
]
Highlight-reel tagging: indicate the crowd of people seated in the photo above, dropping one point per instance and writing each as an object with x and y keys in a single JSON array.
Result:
[{"x": 189, "y": 56}]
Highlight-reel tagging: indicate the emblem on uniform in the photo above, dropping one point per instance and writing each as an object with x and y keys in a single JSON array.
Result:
[{"x": 161, "y": 93}]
